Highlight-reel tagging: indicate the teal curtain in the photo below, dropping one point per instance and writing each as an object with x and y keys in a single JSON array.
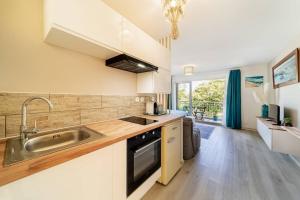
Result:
[{"x": 233, "y": 103}]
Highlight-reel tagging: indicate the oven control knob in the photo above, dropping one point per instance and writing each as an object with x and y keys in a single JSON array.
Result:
[
  {"x": 143, "y": 137},
  {"x": 153, "y": 132}
]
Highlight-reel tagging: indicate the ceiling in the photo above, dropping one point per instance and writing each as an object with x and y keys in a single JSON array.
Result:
[{"x": 220, "y": 34}]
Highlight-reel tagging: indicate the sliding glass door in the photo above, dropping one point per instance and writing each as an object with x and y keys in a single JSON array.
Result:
[
  {"x": 202, "y": 99},
  {"x": 208, "y": 98},
  {"x": 183, "y": 97}
]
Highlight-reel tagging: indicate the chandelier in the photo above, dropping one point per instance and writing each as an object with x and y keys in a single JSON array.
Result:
[{"x": 173, "y": 10}]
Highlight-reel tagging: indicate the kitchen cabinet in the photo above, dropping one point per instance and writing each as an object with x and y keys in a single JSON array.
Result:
[
  {"x": 120, "y": 170},
  {"x": 279, "y": 139},
  {"x": 90, "y": 27},
  {"x": 154, "y": 82},
  {"x": 171, "y": 151},
  {"x": 94, "y": 176},
  {"x": 142, "y": 46}
]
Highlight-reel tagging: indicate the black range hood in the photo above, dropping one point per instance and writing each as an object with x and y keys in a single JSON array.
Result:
[{"x": 128, "y": 63}]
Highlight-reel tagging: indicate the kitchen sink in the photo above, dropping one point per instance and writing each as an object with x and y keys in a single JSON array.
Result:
[
  {"x": 47, "y": 142},
  {"x": 56, "y": 140}
]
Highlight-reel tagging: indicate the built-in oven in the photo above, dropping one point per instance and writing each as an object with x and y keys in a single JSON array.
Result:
[{"x": 143, "y": 158}]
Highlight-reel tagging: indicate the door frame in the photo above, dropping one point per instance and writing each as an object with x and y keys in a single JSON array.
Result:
[{"x": 190, "y": 95}]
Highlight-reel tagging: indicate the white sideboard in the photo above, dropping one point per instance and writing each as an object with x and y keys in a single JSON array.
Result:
[{"x": 280, "y": 139}]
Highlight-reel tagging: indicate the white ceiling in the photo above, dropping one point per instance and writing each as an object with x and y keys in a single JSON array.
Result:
[{"x": 219, "y": 34}]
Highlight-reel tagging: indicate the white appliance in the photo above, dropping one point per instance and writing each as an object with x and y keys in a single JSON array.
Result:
[
  {"x": 150, "y": 108},
  {"x": 171, "y": 152}
]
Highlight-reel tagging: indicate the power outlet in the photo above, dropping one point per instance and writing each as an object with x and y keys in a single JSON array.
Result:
[
  {"x": 142, "y": 99},
  {"x": 137, "y": 99}
]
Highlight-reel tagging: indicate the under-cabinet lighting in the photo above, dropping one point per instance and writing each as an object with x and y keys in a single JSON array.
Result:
[{"x": 141, "y": 65}]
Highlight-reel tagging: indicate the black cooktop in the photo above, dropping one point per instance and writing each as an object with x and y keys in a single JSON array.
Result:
[{"x": 139, "y": 120}]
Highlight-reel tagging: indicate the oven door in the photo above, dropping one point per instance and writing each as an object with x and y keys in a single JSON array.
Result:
[{"x": 143, "y": 161}]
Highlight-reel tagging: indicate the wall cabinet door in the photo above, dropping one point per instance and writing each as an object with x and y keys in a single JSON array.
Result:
[
  {"x": 93, "y": 28},
  {"x": 137, "y": 43},
  {"x": 145, "y": 83},
  {"x": 142, "y": 46},
  {"x": 162, "y": 57},
  {"x": 154, "y": 82},
  {"x": 162, "y": 81},
  {"x": 90, "y": 26}
]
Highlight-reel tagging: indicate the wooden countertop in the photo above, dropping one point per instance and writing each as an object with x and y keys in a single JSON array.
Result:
[{"x": 114, "y": 130}]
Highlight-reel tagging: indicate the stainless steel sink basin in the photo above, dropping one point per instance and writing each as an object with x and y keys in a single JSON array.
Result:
[
  {"x": 47, "y": 142},
  {"x": 56, "y": 140}
]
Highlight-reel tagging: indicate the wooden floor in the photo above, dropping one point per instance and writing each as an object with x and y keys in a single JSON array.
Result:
[{"x": 233, "y": 165}]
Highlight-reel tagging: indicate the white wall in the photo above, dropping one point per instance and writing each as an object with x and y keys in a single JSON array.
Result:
[
  {"x": 250, "y": 108},
  {"x": 210, "y": 75},
  {"x": 27, "y": 64},
  {"x": 287, "y": 97}
]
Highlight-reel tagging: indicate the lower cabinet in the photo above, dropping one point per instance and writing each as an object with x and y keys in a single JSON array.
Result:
[
  {"x": 171, "y": 151},
  {"x": 100, "y": 175},
  {"x": 265, "y": 133}
]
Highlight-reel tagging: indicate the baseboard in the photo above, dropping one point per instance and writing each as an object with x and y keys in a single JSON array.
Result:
[
  {"x": 143, "y": 189},
  {"x": 297, "y": 162},
  {"x": 249, "y": 129},
  {"x": 209, "y": 123}
]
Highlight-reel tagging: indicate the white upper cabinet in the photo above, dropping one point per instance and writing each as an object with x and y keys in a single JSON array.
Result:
[
  {"x": 154, "y": 82},
  {"x": 93, "y": 28},
  {"x": 162, "y": 81},
  {"x": 87, "y": 26},
  {"x": 140, "y": 45}
]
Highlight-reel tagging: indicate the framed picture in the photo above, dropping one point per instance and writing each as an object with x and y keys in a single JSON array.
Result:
[
  {"x": 254, "y": 81},
  {"x": 286, "y": 72}
]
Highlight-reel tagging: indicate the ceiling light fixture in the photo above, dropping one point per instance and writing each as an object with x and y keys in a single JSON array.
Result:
[
  {"x": 188, "y": 70},
  {"x": 173, "y": 10}
]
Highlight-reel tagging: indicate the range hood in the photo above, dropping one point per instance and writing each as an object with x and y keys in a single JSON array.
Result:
[{"x": 128, "y": 63}]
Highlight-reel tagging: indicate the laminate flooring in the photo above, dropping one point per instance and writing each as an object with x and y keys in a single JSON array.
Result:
[{"x": 233, "y": 165}]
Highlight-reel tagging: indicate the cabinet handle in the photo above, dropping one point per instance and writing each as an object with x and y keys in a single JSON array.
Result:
[
  {"x": 174, "y": 128},
  {"x": 148, "y": 145},
  {"x": 170, "y": 140}
]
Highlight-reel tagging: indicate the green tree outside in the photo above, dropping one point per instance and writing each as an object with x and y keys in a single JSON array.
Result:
[
  {"x": 209, "y": 96},
  {"x": 183, "y": 97}
]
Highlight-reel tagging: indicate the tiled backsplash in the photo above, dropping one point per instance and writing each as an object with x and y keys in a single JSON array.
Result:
[{"x": 68, "y": 110}]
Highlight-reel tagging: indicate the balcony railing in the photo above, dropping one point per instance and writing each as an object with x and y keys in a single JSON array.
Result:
[
  {"x": 203, "y": 110},
  {"x": 208, "y": 110},
  {"x": 183, "y": 105}
]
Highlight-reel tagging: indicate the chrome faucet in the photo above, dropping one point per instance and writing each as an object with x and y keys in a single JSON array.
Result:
[{"x": 23, "y": 128}]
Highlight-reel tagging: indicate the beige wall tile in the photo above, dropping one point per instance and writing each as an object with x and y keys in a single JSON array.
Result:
[
  {"x": 11, "y": 103},
  {"x": 68, "y": 110},
  {"x": 147, "y": 98},
  {"x": 63, "y": 102},
  {"x": 45, "y": 121},
  {"x": 2, "y": 127},
  {"x": 131, "y": 110},
  {"x": 95, "y": 115},
  {"x": 90, "y": 101},
  {"x": 115, "y": 101},
  {"x": 64, "y": 119}
]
